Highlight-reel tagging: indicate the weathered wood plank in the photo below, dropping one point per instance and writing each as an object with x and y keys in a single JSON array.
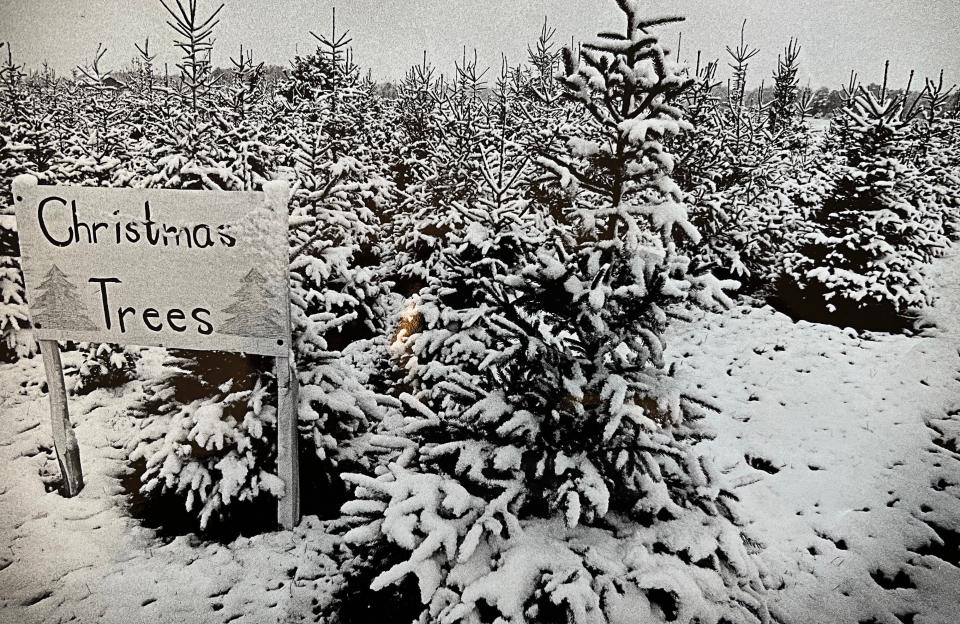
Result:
[
  {"x": 288, "y": 461},
  {"x": 64, "y": 439}
]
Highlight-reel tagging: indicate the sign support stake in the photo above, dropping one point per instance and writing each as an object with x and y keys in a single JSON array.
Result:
[
  {"x": 288, "y": 459},
  {"x": 64, "y": 439},
  {"x": 277, "y": 196}
]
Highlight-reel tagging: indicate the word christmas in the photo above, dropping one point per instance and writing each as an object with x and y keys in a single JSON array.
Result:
[{"x": 129, "y": 231}]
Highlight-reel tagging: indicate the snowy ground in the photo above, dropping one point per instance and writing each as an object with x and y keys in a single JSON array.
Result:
[
  {"x": 843, "y": 449},
  {"x": 85, "y": 560}
]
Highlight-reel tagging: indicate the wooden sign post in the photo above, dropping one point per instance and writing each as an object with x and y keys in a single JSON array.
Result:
[
  {"x": 204, "y": 270},
  {"x": 64, "y": 439}
]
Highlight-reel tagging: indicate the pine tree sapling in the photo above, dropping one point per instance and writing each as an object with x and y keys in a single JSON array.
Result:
[
  {"x": 541, "y": 414},
  {"x": 105, "y": 366},
  {"x": 196, "y": 43},
  {"x": 862, "y": 260},
  {"x": 785, "y": 88},
  {"x": 16, "y": 339}
]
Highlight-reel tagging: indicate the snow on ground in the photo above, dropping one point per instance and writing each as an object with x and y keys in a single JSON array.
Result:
[
  {"x": 817, "y": 124},
  {"x": 86, "y": 560},
  {"x": 842, "y": 448}
]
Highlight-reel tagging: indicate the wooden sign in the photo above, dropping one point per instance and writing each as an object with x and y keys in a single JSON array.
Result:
[
  {"x": 188, "y": 269},
  {"x": 202, "y": 270}
]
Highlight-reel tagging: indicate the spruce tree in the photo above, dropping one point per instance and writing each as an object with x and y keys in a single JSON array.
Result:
[
  {"x": 16, "y": 340},
  {"x": 541, "y": 414},
  {"x": 247, "y": 88},
  {"x": 340, "y": 296},
  {"x": 207, "y": 434},
  {"x": 196, "y": 43},
  {"x": 15, "y": 337},
  {"x": 785, "y": 88},
  {"x": 738, "y": 164},
  {"x": 934, "y": 152},
  {"x": 861, "y": 262}
]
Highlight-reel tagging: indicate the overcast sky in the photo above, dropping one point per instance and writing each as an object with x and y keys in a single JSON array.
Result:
[{"x": 390, "y": 35}]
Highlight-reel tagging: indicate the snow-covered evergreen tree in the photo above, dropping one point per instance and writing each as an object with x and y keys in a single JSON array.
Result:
[
  {"x": 208, "y": 427},
  {"x": 195, "y": 41},
  {"x": 247, "y": 88},
  {"x": 105, "y": 366},
  {"x": 16, "y": 340},
  {"x": 545, "y": 470},
  {"x": 862, "y": 259},
  {"x": 935, "y": 153},
  {"x": 783, "y": 107},
  {"x": 340, "y": 296},
  {"x": 440, "y": 167},
  {"x": 736, "y": 165},
  {"x": 209, "y": 432}
]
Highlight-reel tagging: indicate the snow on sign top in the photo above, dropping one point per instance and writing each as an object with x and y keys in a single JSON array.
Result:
[{"x": 187, "y": 269}]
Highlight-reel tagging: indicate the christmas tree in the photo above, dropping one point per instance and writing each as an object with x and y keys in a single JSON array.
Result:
[
  {"x": 221, "y": 143},
  {"x": 15, "y": 338},
  {"x": 861, "y": 262},
  {"x": 254, "y": 314},
  {"x": 783, "y": 109},
  {"x": 59, "y": 306},
  {"x": 545, "y": 468}
]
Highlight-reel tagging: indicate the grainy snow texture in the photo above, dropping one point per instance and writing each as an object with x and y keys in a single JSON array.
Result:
[
  {"x": 86, "y": 560},
  {"x": 843, "y": 448},
  {"x": 845, "y": 451},
  {"x": 543, "y": 323}
]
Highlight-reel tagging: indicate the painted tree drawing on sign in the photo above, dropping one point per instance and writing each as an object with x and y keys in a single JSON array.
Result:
[
  {"x": 59, "y": 307},
  {"x": 254, "y": 311}
]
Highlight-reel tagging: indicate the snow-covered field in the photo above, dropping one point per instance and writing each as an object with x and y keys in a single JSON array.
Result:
[
  {"x": 843, "y": 449},
  {"x": 86, "y": 560}
]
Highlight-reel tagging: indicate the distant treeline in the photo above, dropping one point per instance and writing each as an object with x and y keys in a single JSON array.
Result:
[{"x": 824, "y": 103}]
